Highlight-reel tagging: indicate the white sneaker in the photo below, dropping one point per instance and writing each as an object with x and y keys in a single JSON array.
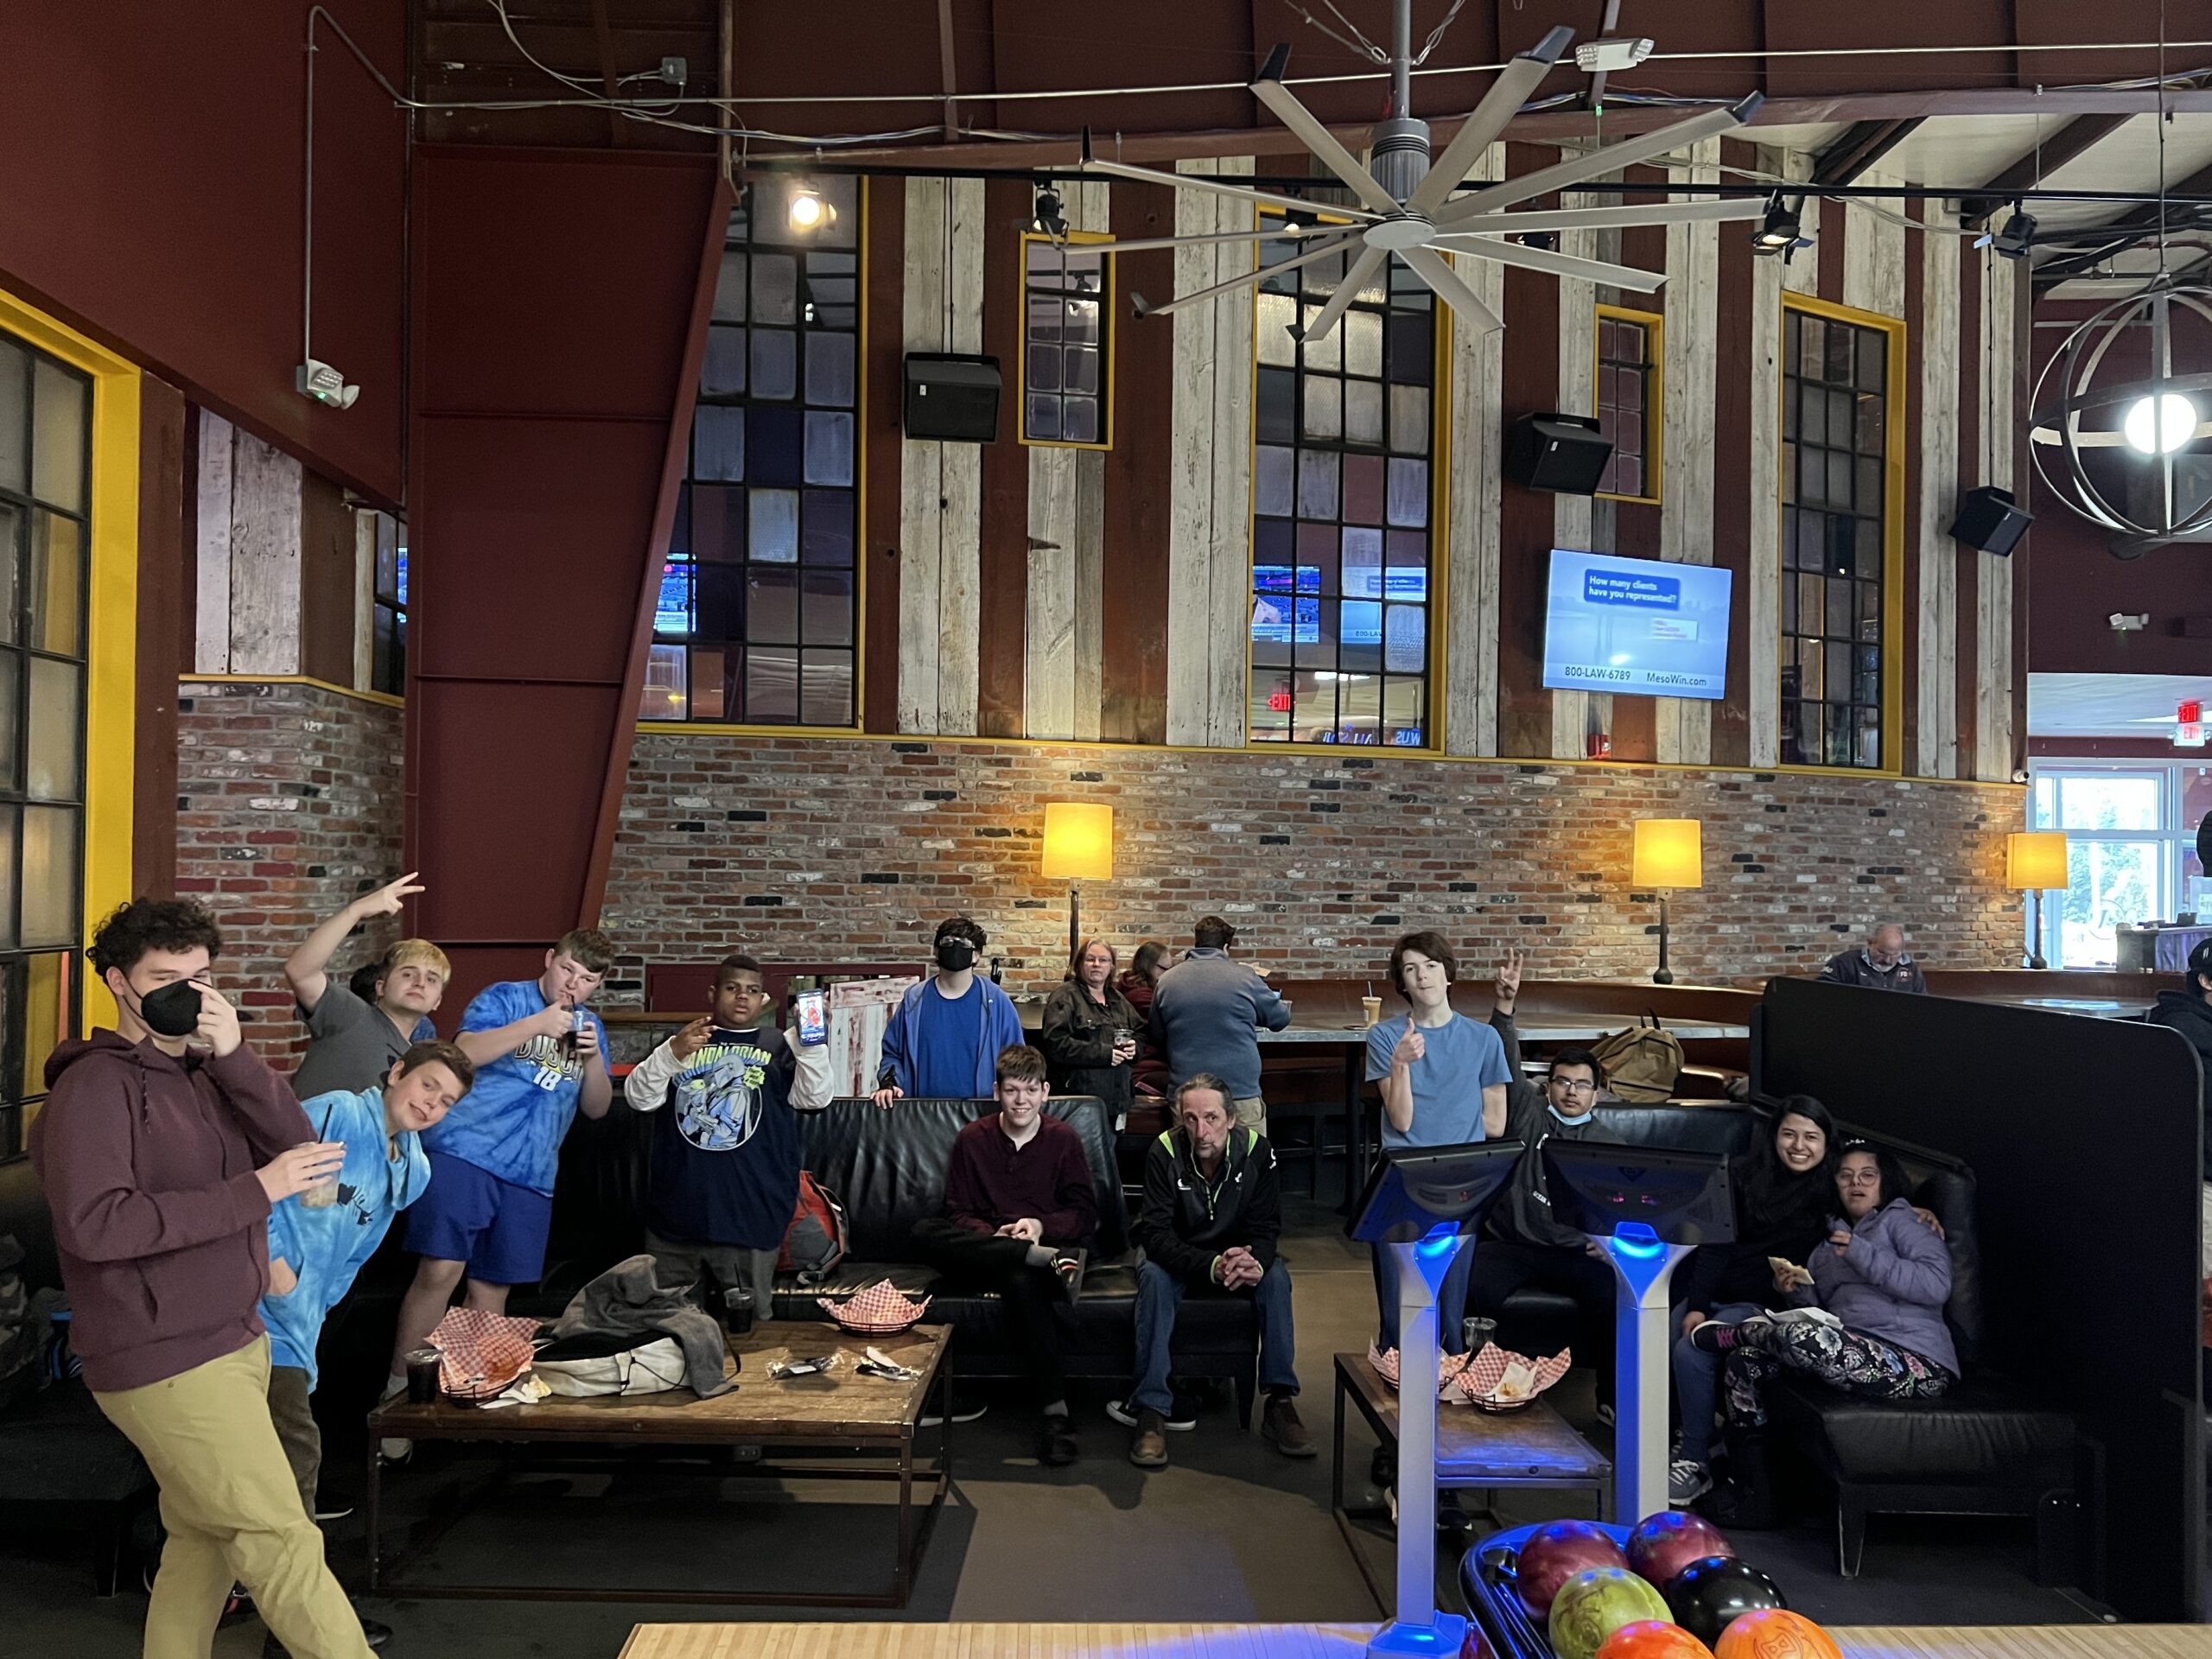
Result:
[
  {"x": 935, "y": 1419},
  {"x": 1687, "y": 1481},
  {"x": 395, "y": 1451}
]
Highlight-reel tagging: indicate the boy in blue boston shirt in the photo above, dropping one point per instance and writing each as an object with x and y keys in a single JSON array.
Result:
[{"x": 540, "y": 1059}]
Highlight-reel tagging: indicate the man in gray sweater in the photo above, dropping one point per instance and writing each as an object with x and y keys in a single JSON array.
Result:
[{"x": 1206, "y": 1012}]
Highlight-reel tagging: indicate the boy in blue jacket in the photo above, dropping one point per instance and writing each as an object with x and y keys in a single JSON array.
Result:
[
  {"x": 314, "y": 1251},
  {"x": 945, "y": 1039}
]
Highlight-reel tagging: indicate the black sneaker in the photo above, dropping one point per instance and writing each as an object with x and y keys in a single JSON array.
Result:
[
  {"x": 1713, "y": 1336},
  {"x": 1181, "y": 1418},
  {"x": 1056, "y": 1446}
]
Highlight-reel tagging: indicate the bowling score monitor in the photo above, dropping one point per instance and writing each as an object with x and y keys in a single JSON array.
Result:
[
  {"x": 1646, "y": 627},
  {"x": 1415, "y": 1193},
  {"x": 1682, "y": 1197}
]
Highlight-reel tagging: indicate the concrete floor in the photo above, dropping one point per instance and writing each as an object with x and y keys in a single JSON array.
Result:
[{"x": 1231, "y": 1531}]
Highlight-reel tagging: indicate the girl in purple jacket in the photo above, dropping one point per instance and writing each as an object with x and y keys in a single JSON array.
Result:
[{"x": 1865, "y": 1317}]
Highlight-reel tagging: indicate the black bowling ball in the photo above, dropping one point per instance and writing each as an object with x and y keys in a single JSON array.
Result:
[{"x": 1708, "y": 1595}]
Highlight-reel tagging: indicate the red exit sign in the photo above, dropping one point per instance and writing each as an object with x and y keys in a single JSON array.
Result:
[{"x": 1279, "y": 702}]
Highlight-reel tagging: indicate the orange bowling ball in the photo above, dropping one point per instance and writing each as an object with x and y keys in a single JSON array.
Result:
[
  {"x": 1775, "y": 1633},
  {"x": 1652, "y": 1638}
]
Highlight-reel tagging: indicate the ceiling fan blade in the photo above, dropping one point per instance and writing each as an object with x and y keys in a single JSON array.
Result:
[
  {"x": 1559, "y": 265},
  {"x": 1499, "y": 106},
  {"x": 1435, "y": 269},
  {"x": 1370, "y": 261},
  {"x": 1287, "y": 233},
  {"x": 1606, "y": 219},
  {"x": 1146, "y": 308},
  {"x": 1270, "y": 91},
  {"x": 1193, "y": 182},
  {"x": 1568, "y": 174}
]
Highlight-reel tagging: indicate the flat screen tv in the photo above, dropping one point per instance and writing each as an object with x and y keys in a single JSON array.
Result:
[{"x": 1644, "y": 626}]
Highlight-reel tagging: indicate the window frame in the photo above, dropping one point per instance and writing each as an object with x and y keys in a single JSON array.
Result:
[
  {"x": 863, "y": 197},
  {"x": 1442, "y": 321},
  {"x": 1108, "y": 342},
  {"x": 1655, "y": 393},
  {"x": 1893, "y": 530},
  {"x": 2176, "y": 836},
  {"x": 395, "y": 602}
]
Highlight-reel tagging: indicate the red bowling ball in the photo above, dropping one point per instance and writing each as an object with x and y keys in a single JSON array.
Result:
[
  {"x": 1555, "y": 1553},
  {"x": 1663, "y": 1544}
]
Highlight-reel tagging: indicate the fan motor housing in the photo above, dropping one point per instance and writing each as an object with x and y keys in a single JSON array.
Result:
[{"x": 1399, "y": 155}]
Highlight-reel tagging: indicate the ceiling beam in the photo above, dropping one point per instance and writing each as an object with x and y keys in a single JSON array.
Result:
[
  {"x": 603, "y": 35},
  {"x": 2136, "y": 224},
  {"x": 1860, "y": 146},
  {"x": 2070, "y": 143}
]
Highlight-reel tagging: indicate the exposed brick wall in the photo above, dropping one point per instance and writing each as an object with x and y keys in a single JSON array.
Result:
[
  {"x": 802, "y": 849},
  {"x": 288, "y": 805}
]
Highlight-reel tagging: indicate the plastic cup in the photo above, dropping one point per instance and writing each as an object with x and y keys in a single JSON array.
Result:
[
  {"x": 1371, "y": 1010},
  {"x": 322, "y": 1194},
  {"x": 423, "y": 1376},
  {"x": 1477, "y": 1334},
  {"x": 737, "y": 1313}
]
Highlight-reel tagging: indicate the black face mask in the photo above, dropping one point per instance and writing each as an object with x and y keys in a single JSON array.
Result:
[
  {"x": 172, "y": 1011},
  {"x": 954, "y": 954}
]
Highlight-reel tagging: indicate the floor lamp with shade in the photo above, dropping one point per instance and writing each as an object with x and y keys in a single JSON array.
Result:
[
  {"x": 1079, "y": 847},
  {"x": 2035, "y": 860},
  {"x": 1668, "y": 853}
]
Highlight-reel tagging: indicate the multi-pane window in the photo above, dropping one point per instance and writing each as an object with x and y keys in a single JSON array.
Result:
[
  {"x": 758, "y": 604},
  {"x": 1340, "y": 498},
  {"x": 1835, "y": 483},
  {"x": 1628, "y": 401},
  {"x": 46, "y": 410},
  {"x": 388, "y": 609},
  {"x": 1067, "y": 305}
]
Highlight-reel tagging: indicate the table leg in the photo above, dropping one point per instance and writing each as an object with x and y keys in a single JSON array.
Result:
[
  {"x": 1336, "y": 1455},
  {"x": 1355, "y": 1125},
  {"x": 902, "y": 1578},
  {"x": 370, "y": 1504}
]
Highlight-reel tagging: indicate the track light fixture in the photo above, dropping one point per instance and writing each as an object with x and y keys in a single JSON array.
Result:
[
  {"x": 2017, "y": 238},
  {"x": 1049, "y": 218},
  {"x": 1781, "y": 231},
  {"x": 808, "y": 211}
]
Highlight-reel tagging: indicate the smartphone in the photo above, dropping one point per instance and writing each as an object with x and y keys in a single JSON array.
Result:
[{"x": 813, "y": 1018}]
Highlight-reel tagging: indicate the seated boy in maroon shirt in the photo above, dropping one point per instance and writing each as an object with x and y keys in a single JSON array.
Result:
[{"x": 1019, "y": 1208}]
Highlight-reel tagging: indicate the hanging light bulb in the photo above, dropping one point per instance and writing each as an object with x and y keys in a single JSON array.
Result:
[
  {"x": 2159, "y": 426},
  {"x": 808, "y": 211}
]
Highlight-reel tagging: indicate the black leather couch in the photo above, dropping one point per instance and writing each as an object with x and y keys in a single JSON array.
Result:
[{"x": 61, "y": 1463}]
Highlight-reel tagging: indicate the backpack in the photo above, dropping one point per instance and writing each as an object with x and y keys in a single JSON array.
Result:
[
  {"x": 816, "y": 1241},
  {"x": 1640, "y": 1063}
]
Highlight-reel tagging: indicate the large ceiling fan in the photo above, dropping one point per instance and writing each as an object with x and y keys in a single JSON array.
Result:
[{"x": 1407, "y": 206}]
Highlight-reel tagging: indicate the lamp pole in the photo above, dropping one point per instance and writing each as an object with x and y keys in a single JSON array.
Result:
[
  {"x": 2035, "y": 944},
  {"x": 1075, "y": 923},
  {"x": 1663, "y": 975}
]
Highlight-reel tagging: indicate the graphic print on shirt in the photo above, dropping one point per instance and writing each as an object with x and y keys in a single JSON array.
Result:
[
  {"x": 717, "y": 1097},
  {"x": 548, "y": 1066}
]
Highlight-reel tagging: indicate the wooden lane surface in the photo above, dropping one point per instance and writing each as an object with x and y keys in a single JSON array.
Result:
[
  {"x": 860, "y": 1641},
  {"x": 837, "y": 1403}
]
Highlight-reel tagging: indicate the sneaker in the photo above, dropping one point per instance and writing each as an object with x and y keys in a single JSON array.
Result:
[
  {"x": 337, "y": 1513},
  {"x": 1382, "y": 1468},
  {"x": 1148, "y": 1449},
  {"x": 1713, "y": 1336},
  {"x": 1606, "y": 1415},
  {"x": 395, "y": 1451},
  {"x": 1056, "y": 1446},
  {"x": 1069, "y": 1265},
  {"x": 935, "y": 1419},
  {"x": 1280, "y": 1424},
  {"x": 1179, "y": 1418},
  {"x": 1687, "y": 1482}
]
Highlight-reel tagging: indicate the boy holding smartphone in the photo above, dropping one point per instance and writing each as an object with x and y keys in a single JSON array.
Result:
[{"x": 724, "y": 1174}]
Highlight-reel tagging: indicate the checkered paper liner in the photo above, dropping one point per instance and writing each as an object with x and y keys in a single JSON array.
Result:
[
  {"x": 482, "y": 1353},
  {"x": 881, "y": 1310},
  {"x": 1464, "y": 1380}
]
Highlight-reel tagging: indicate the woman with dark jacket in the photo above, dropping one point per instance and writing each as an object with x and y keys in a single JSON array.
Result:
[
  {"x": 1090, "y": 1033},
  {"x": 1785, "y": 1190},
  {"x": 1865, "y": 1317},
  {"x": 1145, "y": 970}
]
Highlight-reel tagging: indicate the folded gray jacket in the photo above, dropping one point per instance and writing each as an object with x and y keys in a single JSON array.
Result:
[{"x": 627, "y": 1301}]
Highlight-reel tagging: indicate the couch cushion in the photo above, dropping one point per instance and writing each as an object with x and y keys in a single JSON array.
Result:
[
  {"x": 56, "y": 1444},
  {"x": 1981, "y": 1433}
]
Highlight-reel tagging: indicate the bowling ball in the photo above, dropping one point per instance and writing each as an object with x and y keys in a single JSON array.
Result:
[
  {"x": 1706, "y": 1595},
  {"x": 1776, "y": 1633},
  {"x": 1557, "y": 1551},
  {"x": 1652, "y": 1638},
  {"x": 1596, "y": 1602},
  {"x": 1663, "y": 1544}
]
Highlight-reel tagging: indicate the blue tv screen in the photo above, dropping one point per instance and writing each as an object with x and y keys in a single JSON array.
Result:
[{"x": 1643, "y": 626}]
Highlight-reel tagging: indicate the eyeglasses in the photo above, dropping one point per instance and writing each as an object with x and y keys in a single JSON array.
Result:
[{"x": 1573, "y": 1086}]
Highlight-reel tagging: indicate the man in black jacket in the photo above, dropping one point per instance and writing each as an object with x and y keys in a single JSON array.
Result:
[
  {"x": 2188, "y": 1011},
  {"x": 1209, "y": 1226},
  {"x": 1880, "y": 964}
]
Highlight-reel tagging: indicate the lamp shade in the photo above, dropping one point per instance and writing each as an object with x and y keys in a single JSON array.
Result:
[
  {"x": 1078, "y": 841},
  {"x": 1669, "y": 853},
  {"x": 2035, "y": 859}
]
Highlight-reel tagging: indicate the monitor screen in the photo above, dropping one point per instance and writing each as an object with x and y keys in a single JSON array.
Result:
[
  {"x": 1645, "y": 627},
  {"x": 1414, "y": 1192},
  {"x": 1683, "y": 1197}
]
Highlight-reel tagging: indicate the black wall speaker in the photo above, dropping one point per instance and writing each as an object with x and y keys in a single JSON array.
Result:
[
  {"x": 1561, "y": 453},
  {"x": 1989, "y": 519},
  {"x": 951, "y": 397}
]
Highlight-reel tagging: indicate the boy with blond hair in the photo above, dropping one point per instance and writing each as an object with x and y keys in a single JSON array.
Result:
[{"x": 352, "y": 1042}]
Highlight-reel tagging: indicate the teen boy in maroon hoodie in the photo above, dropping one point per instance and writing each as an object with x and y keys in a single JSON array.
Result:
[{"x": 161, "y": 1146}]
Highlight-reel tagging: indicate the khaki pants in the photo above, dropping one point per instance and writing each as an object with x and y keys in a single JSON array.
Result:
[
  {"x": 233, "y": 1514},
  {"x": 1252, "y": 1113},
  {"x": 291, "y": 1410}
]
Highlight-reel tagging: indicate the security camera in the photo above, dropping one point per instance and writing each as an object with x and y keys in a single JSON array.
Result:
[
  {"x": 1611, "y": 56},
  {"x": 325, "y": 385},
  {"x": 2129, "y": 621}
]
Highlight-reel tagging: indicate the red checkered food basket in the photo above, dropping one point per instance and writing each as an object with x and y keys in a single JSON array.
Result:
[
  {"x": 1488, "y": 1379},
  {"x": 881, "y": 1309},
  {"x": 483, "y": 1353}
]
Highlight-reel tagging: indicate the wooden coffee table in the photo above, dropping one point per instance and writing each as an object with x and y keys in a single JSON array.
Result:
[
  {"x": 1534, "y": 1447},
  {"x": 844, "y": 1426}
]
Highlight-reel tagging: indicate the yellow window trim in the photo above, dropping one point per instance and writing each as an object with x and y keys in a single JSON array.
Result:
[
  {"x": 111, "y": 620},
  {"x": 1892, "y": 532},
  {"x": 1654, "y": 393},
  {"x": 1106, "y": 322},
  {"x": 359, "y": 694}
]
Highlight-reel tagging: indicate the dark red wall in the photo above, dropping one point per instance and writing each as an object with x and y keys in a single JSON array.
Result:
[
  {"x": 151, "y": 194},
  {"x": 544, "y": 409}
]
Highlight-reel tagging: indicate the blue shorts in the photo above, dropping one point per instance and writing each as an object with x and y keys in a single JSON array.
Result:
[{"x": 470, "y": 1215}]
